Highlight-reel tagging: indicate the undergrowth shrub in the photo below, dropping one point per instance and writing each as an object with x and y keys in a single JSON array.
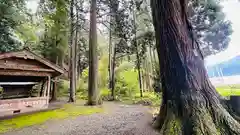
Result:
[
  {"x": 127, "y": 83},
  {"x": 82, "y": 88},
  {"x": 63, "y": 87}
]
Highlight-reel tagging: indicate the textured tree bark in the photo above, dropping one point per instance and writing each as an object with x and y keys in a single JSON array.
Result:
[
  {"x": 139, "y": 71},
  {"x": 110, "y": 64},
  {"x": 72, "y": 68},
  {"x": 76, "y": 43},
  {"x": 93, "y": 57},
  {"x": 113, "y": 72},
  {"x": 54, "y": 86},
  {"x": 153, "y": 62},
  {"x": 137, "y": 54},
  {"x": 54, "y": 91},
  {"x": 190, "y": 104},
  {"x": 110, "y": 56}
]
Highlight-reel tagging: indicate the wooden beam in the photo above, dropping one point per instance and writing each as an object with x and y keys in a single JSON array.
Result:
[
  {"x": 23, "y": 73},
  {"x": 25, "y": 68},
  {"x": 17, "y": 83}
]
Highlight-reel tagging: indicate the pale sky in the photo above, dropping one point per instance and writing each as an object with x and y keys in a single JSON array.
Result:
[{"x": 231, "y": 9}]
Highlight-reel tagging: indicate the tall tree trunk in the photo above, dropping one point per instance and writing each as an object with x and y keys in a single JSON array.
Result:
[
  {"x": 72, "y": 58},
  {"x": 147, "y": 72},
  {"x": 137, "y": 54},
  {"x": 54, "y": 91},
  {"x": 93, "y": 57},
  {"x": 110, "y": 52},
  {"x": 54, "y": 87},
  {"x": 152, "y": 60},
  {"x": 129, "y": 57},
  {"x": 76, "y": 49},
  {"x": 190, "y": 103},
  {"x": 139, "y": 70},
  {"x": 113, "y": 63}
]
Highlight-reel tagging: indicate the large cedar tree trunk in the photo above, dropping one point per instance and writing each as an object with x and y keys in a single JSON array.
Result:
[
  {"x": 72, "y": 68},
  {"x": 93, "y": 58},
  {"x": 190, "y": 104}
]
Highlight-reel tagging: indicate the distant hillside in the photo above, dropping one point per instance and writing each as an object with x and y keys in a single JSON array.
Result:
[{"x": 229, "y": 68}]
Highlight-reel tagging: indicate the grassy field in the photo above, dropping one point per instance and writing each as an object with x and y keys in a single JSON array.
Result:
[
  {"x": 67, "y": 111},
  {"x": 229, "y": 90}
]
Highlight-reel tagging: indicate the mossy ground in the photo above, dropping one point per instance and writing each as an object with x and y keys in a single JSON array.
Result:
[{"x": 68, "y": 110}]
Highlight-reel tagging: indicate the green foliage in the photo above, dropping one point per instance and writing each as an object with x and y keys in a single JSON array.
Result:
[
  {"x": 1, "y": 92},
  {"x": 123, "y": 67},
  {"x": 210, "y": 26},
  {"x": 69, "y": 110},
  {"x": 149, "y": 99},
  {"x": 11, "y": 16},
  {"x": 63, "y": 87},
  {"x": 102, "y": 75},
  {"x": 103, "y": 71},
  {"x": 127, "y": 83},
  {"x": 54, "y": 42}
]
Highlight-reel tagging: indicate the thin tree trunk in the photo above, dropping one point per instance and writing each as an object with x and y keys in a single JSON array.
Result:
[
  {"x": 148, "y": 72},
  {"x": 190, "y": 103},
  {"x": 139, "y": 71},
  {"x": 76, "y": 49},
  {"x": 110, "y": 53},
  {"x": 54, "y": 91},
  {"x": 137, "y": 54},
  {"x": 153, "y": 63},
  {"x": 93, "y": 57},
  {"x": 113, "y": 71},
  {"x": 129, "y": 57},
  {"x": 154, "y": 55},
  {"x": 54, "y": 87},
  {"x": 72, "y": 58}
]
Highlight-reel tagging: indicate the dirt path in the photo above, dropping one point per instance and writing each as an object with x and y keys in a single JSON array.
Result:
[{"x": 119, "y": 120}]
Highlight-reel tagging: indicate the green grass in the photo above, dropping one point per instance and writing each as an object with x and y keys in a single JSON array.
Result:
[
  {"x": 147, "y": 96},
  {"x": 69, "y": 110},
  {"x": 232, "y": 90}
]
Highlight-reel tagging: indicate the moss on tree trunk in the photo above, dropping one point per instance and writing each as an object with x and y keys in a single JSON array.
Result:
[{"x": 191, "y": 105}]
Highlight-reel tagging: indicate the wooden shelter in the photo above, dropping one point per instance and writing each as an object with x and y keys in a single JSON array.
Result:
[{"x": 25, "y": 81}]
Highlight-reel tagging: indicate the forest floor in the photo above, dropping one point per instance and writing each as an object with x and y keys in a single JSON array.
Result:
[{"x": 117, "y": 119}]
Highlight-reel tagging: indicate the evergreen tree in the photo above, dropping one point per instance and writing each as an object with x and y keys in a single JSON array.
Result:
[
  {"x": 190, "y": 103},
  {"x": 93, "y": 92},
  {"x": 210, "y": 26},
  {"x": 11, "y": 15}
]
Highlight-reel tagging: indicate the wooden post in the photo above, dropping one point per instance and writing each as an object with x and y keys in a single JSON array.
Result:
[
  {"x": 48, "y": 88},
  {"x": 42, "y": 88},
  {"x": 45, "y": 89}
]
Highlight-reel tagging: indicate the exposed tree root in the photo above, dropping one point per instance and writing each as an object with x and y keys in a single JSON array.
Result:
[{"x": 198, "y": 117}]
